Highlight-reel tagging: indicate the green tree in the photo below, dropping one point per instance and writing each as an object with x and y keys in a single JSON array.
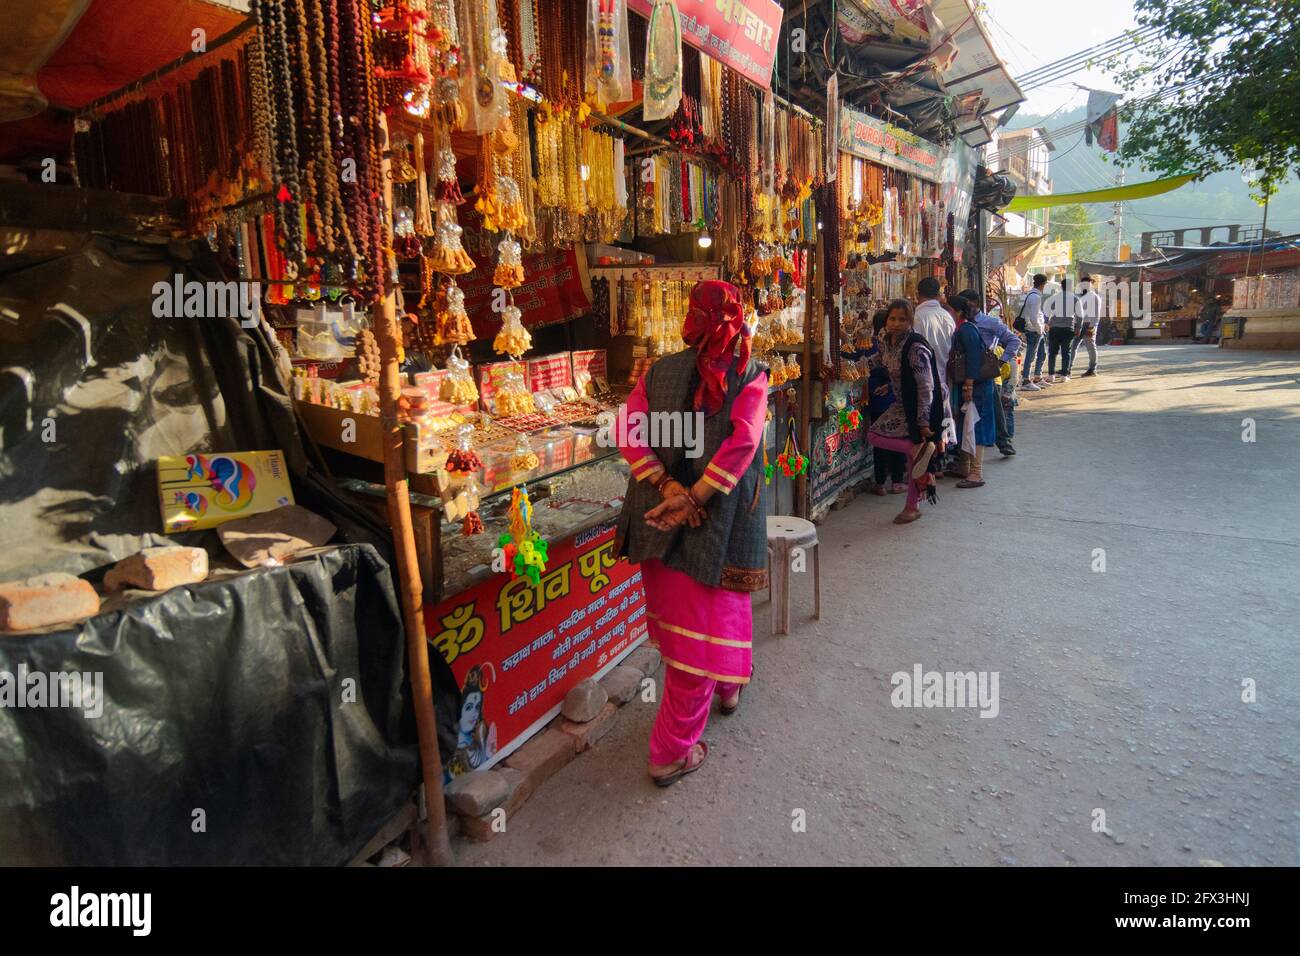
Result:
[
  {"x": 1076, "y": 223},
  {"x": 1229, "y": 89}
]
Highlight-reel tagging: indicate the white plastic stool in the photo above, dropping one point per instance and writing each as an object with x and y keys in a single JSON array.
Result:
[{"x": 784, "y": 533}]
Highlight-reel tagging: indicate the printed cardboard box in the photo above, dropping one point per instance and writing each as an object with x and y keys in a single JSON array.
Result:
[{"x": 203, "y": 490}]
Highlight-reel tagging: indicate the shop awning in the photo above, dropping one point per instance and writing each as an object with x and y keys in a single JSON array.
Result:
[
  {"x": 76, "y": 52},
  {"x": 1114, "y": 194},
  {"x": 930, "y": 52},
  {"x": 1004, "y": 249},
  {"x": 976, "y": 68}
]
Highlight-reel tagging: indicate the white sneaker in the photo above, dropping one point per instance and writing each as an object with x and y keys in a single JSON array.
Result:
[
  {"x": 1044, "y": 383},
  {"x": 1062, "y": 378},
  {"x": 1030, "y": 387}
]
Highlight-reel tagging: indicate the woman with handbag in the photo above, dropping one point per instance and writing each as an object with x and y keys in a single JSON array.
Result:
[
  {"x": 694, "y": 520},
  {"x": 913, "y": 423},
  {"x": 972, "y": 370}
]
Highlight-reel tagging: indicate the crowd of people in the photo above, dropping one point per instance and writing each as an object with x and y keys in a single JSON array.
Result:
[
  {"x": 941, "y": 389},
  {"x": 945, "y": 377}
]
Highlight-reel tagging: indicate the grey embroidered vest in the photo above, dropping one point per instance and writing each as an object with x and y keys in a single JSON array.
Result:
[{"x": 729, "y": 549}]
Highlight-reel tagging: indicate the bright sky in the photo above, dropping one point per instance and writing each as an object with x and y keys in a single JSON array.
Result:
[{"x": 1031, "y": 33}]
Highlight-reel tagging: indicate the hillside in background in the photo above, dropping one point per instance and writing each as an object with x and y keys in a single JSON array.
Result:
[{"x": 1221, "y": 198}]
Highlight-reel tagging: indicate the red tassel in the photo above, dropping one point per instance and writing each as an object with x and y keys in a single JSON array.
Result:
[
  {"x": 449, "y": 191},
  {"x": 284, "y": 195}
]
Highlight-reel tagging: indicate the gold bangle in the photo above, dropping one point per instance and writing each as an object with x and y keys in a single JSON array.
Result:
[{"x": 699, "y": 508}]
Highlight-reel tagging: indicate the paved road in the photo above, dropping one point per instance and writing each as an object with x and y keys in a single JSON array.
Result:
[{"x": 1118, "y": 691}]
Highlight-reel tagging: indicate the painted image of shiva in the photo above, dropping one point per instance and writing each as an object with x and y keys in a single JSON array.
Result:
[{"x": 476, "y": 739}]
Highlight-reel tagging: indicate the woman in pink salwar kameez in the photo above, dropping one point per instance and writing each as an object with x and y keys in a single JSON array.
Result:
[{"x": 696, "y": 523}]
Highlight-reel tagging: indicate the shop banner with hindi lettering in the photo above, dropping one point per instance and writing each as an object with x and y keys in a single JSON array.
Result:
[
  {"x": 889, "y": 145},
  {"x": 517, "y": 648},
  {"x": 555, "y": 289},
  {"x": 743, "y": 34}
]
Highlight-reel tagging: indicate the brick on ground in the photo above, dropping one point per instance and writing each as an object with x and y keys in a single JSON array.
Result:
[
  {"x": 622, "y": 683},
  {"x": 645, "y": 659}
]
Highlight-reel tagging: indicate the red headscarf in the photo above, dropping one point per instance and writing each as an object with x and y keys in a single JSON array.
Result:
[{"x": 715, "y": 320}]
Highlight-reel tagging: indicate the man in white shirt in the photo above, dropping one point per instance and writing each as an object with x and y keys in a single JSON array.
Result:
[
  {"x": 1031, "y": 315},
  {"x": 933, "y": 321},
  {"x": 1089, "y": 311}
]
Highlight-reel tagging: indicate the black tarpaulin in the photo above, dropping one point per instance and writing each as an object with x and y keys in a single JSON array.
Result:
[
  {"x": 256, "y": 719},
  {"x": 224, "y": 696}
]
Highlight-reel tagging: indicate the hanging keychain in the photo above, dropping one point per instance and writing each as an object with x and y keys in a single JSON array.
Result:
[
  {"x": 791, "y": 462},
  {"x": 458, "y": 387},
  {"x": 525, "y": 550}
]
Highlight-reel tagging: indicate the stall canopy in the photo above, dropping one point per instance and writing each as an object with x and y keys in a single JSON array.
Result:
[
  {"x": 1004, "y": 249},
  {"x": 72, "y": 52},
  {"x": 925, "y": 63},
  {"x": 1224, "y": 259}
]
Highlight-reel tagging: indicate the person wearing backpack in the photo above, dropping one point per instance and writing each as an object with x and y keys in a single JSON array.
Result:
[
  {"x": 1005, "y": 344},
  {"x": 1030, "y": 321},
  {"x": 972, "y": 369}
]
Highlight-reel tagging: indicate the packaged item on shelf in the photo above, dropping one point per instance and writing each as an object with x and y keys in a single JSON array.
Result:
[
  {"x": 522, "y": 457},
  {"x": 589, "y": 367},
  {"x": 203, "y": 490},
  {"x": 513, "y": 397},
  {"x": 316, "y": 339}
]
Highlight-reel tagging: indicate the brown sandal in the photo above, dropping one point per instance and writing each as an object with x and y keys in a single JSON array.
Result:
[
  {"x": 726, "y": 711},
  {"x": 969, "y": 483},
  {"x": 668, "y": 779},
  {"x": 904, "y": 518}
]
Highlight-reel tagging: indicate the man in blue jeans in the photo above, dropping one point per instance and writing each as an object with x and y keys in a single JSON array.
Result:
[
  {"x": 1063, "y": 322},
  {"x": 1031, "y": 315}
]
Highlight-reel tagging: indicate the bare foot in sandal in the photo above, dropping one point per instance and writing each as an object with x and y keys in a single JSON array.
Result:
[{"x": 665, "y": 775}]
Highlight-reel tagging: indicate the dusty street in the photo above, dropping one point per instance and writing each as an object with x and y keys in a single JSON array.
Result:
[{"x": 1119, "y": 690}]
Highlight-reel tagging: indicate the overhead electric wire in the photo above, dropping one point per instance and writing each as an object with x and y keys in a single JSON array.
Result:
[
  {"x": 1080, "y": 125},
  {"x": 1058, "y": 69},
  {"x": 1124, "y": 39}
]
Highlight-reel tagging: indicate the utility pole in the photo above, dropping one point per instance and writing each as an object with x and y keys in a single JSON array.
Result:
[{"x": 1119, "y": 219}]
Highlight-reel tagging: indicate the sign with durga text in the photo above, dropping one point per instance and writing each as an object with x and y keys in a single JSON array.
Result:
[{"x": 888, "y": 145}]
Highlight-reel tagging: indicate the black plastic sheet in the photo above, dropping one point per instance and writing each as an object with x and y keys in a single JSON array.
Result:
[
  {"x": 219, "y": 694},
  {"x": 227, "y": 735}
]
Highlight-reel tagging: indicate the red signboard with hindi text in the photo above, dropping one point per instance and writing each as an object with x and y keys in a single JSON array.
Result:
[
  {"x": 743, "y": 34},
  {"x": 517, "y": 648}
]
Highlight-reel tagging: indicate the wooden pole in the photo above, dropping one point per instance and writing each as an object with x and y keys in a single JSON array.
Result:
[
  {"x": 811, "y": 314},
  {"x": 411, "y": 593}
]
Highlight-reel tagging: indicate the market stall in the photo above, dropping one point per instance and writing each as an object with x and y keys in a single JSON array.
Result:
[
  {"x": 461, "y": 231},
  {"x": 903, "y": 204},
  {"x": 545, "y": 249}
]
